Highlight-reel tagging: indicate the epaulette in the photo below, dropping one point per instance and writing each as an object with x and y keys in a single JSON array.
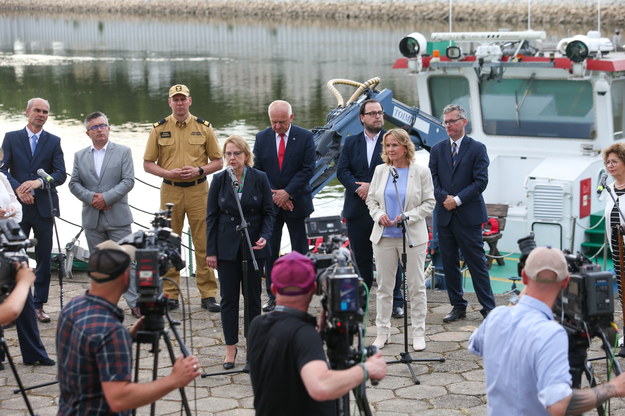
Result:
[
  {"x": 158, "y": 123},
  {"x": 202, "y": 121}
]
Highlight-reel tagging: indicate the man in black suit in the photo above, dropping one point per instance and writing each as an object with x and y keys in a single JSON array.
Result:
[
  {"x": 459, "y": 169},
  {"x": 26, "y": 151},
  {"x": 359, "y": 157},
  {"x": 286, "y": 153}
]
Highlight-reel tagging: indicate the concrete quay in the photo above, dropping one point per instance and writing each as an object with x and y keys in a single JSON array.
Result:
[{"x": 455, "y": 387}]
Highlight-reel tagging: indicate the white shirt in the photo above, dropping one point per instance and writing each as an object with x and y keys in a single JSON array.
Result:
[
  {"x": 8, "y": 200},
  {"x": 370, "y": 146},
  {"x": 98, "y": 157},
  {"x": 286, "y": 140},
  {"x": 458, "y": 143}
]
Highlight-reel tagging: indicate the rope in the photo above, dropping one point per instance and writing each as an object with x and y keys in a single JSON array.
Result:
[{"x": 503, "y": 255}]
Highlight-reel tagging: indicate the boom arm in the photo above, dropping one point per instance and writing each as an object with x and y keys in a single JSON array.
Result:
[{"x": 344, "y": 121}]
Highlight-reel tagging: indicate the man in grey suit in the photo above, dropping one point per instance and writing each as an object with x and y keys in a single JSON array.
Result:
[{"x": 103, "y": 175}]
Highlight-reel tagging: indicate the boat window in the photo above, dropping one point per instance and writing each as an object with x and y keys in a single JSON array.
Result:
[
  {"x": 538, "y": 108},
  {"x": 618, "y": 107},
  {"x": 449, "y": 90}
]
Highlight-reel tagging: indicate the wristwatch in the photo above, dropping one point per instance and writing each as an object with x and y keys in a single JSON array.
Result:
[{"x": 201, "y": 171}]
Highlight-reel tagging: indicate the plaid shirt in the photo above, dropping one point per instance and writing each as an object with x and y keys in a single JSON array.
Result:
[{"x": 92, "y": 347}]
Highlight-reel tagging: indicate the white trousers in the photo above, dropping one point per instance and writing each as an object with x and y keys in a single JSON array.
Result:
[{"x": 387, "y": 253}]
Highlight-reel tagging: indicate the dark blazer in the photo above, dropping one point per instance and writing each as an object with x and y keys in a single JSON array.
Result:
[
  {"x": 20, "y": 166},
  {"x": 467, "y": 180},
  {"x": 222, "y": 216},
  {"x": 297, "y": 168},
  {"x": 353, "y": 168}
]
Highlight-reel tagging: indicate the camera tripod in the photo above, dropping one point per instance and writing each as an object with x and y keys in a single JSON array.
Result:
[
  {"x": 21, "y": 388},
  {"x": 154, "y": 330},
  {"x": 578, "y": 357}
]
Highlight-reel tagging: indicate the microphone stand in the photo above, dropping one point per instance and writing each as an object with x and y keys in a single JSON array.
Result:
[
  {"x": 245, "y": 241},
  {"x": 406, "y": 358},
  {"x": 59, "y": 258},
  {"x": 621, "y": 233}
]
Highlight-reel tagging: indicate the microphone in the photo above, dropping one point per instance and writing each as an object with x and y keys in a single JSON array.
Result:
[
  {"x": 233, "y": 177},
  {"x": 602, "y": 183},
  {"x": 45, "y": 176},
  {"x": 394, "y": 173}
]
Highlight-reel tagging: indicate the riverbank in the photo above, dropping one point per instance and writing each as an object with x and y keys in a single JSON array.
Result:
[{"x": 500, "y": 11}]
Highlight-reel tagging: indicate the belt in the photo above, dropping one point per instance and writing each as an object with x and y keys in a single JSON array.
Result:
[{"x": 184, "y": 184}]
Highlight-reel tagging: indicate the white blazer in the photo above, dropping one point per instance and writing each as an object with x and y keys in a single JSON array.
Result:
[{"x": 418, "y": 205}]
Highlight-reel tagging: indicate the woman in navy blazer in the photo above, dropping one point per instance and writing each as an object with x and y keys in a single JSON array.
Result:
[{"x": 225, "y": 246}]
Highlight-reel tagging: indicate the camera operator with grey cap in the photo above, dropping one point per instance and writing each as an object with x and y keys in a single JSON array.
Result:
[
  {"x": 537, "y": 381},
  {"x": 288, "y": 367},
  {"x": 94, "y": 349}
]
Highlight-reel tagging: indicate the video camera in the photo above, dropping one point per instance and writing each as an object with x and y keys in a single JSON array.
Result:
[
  {"x": 344, "y": 297},
  {"x": 13, "y": 245},
  {"x": 158, "y": 250}
]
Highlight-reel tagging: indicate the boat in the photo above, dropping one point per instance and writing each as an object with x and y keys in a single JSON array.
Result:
[{"x": 544, "y": 114}]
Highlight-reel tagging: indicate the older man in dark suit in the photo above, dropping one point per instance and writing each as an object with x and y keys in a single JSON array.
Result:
[
  {"x": 25, "y": 152},
  {"x": 459, "y": 169},
  {"x": 286, "y": 153}
]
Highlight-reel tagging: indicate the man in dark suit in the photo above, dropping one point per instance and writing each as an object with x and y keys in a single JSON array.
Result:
[
  {"x": 459, "y": 169},
  {"x": 286, "y": 153},
  {"x": 23, "y": 156},
  {"x": 359, "y": 157},
  {"x": 26, "y": 151}
]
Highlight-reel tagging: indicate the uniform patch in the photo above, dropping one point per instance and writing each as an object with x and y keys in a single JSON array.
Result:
[
  {"x": 196, "y": 133},
  {"x": 166, "y": 134}
]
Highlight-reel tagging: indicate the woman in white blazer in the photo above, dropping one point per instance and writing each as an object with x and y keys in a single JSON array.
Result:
[{"x": 416, "y": 192}]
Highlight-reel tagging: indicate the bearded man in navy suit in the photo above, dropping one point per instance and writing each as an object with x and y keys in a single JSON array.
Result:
[
  {"x": 459, "y": 169},
  {"x": 286, "y": 153}
]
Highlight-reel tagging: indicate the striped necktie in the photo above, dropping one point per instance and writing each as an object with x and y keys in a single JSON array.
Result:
[{"x": 454, "y": 153}]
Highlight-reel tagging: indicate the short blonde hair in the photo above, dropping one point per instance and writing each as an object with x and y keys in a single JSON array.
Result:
[
  {"x": 404, "y": 139},
  {"x": 617, "y": 148},
  {"x": 241, "y": 143}
]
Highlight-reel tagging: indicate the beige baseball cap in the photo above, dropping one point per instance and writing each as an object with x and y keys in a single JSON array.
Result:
[
  {"x": 546, "y": 258},
  {"x": 179, "y": 89}
]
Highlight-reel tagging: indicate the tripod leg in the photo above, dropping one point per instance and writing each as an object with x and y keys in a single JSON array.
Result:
[
  {"x": 183, "y": 395},
  {"x": 5, "y": 348}
]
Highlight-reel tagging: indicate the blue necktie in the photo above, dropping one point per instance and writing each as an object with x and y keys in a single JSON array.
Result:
[
  {"x": 33, "y": 144},
  {"x": 454, "y": 153}
]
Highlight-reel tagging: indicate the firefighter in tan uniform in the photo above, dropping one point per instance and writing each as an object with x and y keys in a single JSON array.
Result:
[{"x": 183, "y": 149}]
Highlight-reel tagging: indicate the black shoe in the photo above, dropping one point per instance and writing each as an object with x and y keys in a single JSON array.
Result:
[
  {"x": 229, "y": 365},
  {"x": 398, "y": 312},
  {"x": 485, "y": 312},
  {"x": 173, "y": 304},
  {"x": 1, "y": 366},
  {"x": 270, "y": 305},
  {"x": 47, "y": 362},
  {"x": 211, "y": 304},
  {"x": 455, "y": 314}
]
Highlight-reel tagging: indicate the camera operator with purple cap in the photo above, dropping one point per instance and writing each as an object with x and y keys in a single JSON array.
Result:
[
  {"x": 288, "y": 366},
  {"x": 526, "y": 351}
]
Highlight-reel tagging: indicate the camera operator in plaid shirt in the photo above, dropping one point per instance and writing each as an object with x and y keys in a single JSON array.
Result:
[{"x": 95, "y": 350}]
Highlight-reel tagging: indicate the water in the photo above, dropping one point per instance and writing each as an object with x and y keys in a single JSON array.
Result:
[{"x": 233, "y": 68}]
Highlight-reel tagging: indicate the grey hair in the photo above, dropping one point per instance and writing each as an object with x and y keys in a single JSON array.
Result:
[
  {"x": 455, "y": 107},
  {"x": 95, "y": 114}
]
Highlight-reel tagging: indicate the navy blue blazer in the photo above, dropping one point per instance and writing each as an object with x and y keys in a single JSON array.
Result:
[
  {"x": 297, "y": 167},
  {"x": 222, "y": 214},
  {"x": 467, "y": 180},
  {"x": 20, "y": 165},
  {"x": 352, "y": 168}
]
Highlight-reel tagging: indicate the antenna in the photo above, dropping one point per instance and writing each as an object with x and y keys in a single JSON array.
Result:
[
  {"x": 450, "y": 15},
  {"x": 599, "y": 16},
  {"x": 529, "y": 14}
]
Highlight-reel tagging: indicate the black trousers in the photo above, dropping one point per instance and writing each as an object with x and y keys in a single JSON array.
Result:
[{"x": 230, "y": 288}]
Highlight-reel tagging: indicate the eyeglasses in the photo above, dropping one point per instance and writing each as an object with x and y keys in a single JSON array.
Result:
[
  {"x": 448, "y": 122},
  {"x": 235, "y": 154},
  {"x": 374, "y": 113},
  {"x": 611, "y": 162},
  {"x": 98, "y": 127}
]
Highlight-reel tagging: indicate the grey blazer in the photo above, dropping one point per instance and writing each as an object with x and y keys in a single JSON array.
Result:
[{"x": 117, "y": 178}]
